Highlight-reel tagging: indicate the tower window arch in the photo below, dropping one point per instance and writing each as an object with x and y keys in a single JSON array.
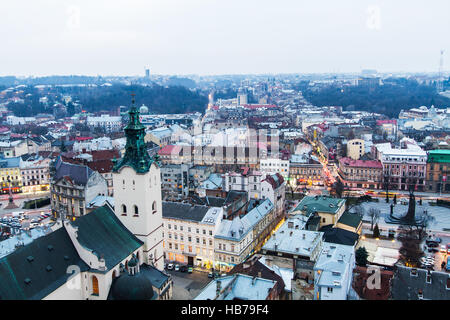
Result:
[
  {"x": 95, "y": 289},
  {"x": 136, "y": 210},
  {"x": 124, "y": 210},
  {"x": 154, "y": 207}
]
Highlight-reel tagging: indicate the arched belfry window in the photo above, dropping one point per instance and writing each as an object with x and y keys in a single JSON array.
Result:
[
  {"x": 136, "y": 210},
  {"x": 95, "y": 290},
  {"x": 154, "y": 207},
  {"x": 124, "y": 210}
]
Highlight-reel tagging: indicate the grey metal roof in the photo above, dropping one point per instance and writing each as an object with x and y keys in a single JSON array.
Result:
[
  {"x": 406, "y": 285},
  {"x": 77, "y": 173},
  {"x": 183, "y": 211}
]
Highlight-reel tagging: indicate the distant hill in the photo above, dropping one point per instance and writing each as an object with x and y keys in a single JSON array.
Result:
[
  {"x": 174, "y": 99},
  {"x": 388, "y": 99}
]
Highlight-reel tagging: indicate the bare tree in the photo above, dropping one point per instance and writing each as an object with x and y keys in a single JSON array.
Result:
[
  {"x": 411, "y": 237},
  {"x": 359, "y": 210},
  {"x": 374, "y": 215}
]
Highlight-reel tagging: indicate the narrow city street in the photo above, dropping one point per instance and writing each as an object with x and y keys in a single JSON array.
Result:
[{"x": 186, "y": 286}]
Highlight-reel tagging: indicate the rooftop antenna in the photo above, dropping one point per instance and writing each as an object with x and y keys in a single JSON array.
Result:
[{"x": 440, "y": 84}]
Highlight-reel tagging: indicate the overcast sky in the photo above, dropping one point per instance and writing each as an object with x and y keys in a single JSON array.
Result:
[{"x": 122, "y": 37}]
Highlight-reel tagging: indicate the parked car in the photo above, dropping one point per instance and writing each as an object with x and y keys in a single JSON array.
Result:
[
  {"x": 432, "y": 249},
  {"x": 183, "y": 268},
  {"x": 433, "y": 240},
  {"x": 433, "y": 244},
  {"x": 443, "y": 248},
  {"x": 170, "y": 266},
  {"x": 210, "y": 275},
  {"x": 177, "y": 267},
  {"x": 190, "y": 269}
]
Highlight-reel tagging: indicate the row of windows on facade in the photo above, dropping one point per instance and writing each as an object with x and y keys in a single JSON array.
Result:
[
  {"x": 134, "y": 182},
  {"x": 66, "y": 200},
  {"x": 174, "y": 246},
  {"x": 169, "y": 226},
  {"x": 175, "y": 237},
  {"x": 397, "y": 173},
  {"x": 435, "y": 167},
  {"x": 396, "y": 166},
  {"x": 68, "y": 191},
  {"x": 80, "y": 209},
  {"x": 255, "y": 179},
  {"x": 405, "y": 159},
  {"x": 136, "y": 209},
  {"x": 304, "y": 171},
  {"x": 273, "y": 164}
]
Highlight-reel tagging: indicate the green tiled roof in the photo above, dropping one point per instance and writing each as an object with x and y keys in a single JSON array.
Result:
[
  {"x": 350, "y": 219},
  {"x": 39, "y": 268},
  {"x": 44, "y": 262},
  {"x": 103, "y": 232},
  {"x": 439, "y": 156},
  {"x": 320, "y": 204}
]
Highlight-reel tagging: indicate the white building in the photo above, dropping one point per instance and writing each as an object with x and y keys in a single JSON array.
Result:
[
  {"x": 402, "y": 165},
  {"x": 249, "y": 181},
  {"x": 102, "y": 143},
  {"x": 13, "y": 120},
  {"x": 333, "y": 272},
  {"x": 275, "y": 165},
  {"x": 189, "y": 232},
  {"x": 35, "y": 175},
  {"x": 109, "y": 123}
]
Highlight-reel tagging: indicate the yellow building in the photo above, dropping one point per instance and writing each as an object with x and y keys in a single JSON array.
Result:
[{"x": 355, "y": 149}]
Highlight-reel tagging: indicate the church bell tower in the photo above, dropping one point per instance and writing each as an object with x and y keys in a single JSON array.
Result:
[{"x": 137, "y": 191}]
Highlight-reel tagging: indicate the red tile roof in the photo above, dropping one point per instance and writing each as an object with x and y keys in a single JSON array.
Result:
[
  {"x": 361, "y": 288},
  {"x": 83, "y": 138},
  {"x": 361, "y": 163},
  {"x": 380, "y": 122},
  {"x": 169, "y": 150}
]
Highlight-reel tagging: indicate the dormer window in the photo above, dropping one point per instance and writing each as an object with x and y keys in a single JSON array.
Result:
[
  {"x": 124, "y": 210},
  {"x": 154, "y": 207},
  {"x": 136, "y": 211}
]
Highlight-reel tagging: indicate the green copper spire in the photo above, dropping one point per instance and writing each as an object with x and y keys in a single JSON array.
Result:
[{"x": 136, "y": 155}]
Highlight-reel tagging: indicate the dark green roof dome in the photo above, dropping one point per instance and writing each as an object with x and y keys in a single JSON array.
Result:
[
  {"x": 132, "y": 287},
  {"x": 136, "y": 155}
]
